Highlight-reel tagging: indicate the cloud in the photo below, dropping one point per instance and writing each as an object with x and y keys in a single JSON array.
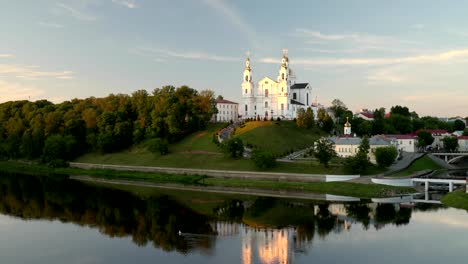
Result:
[
  {"x": 234, "y": 18},
  {"x": 127, "y": 3},
  {"x": 356, "y": 41},
  {"x": 445, "y": 56},
  {"x": 6, "y": 55},
  {"x": 76, "y": 13},
  {"x": 442, "y": 96},
  {"x": 385, "y": 75},
  {"x": 157, "y": 53},
  {"x": 49, "y": 25},
  {"x": 15, "y": 91},
  {"x": 32, "y": 72}
]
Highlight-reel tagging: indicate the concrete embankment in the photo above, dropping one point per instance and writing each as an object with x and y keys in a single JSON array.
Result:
[{"x": 248, "y": 175}]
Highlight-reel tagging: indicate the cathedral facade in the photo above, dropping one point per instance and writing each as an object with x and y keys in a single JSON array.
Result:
[{"x": 274, "y": 98}]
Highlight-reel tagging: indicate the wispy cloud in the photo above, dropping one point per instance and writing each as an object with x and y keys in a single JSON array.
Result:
[
  {"x": 446, "y": 56},
  {"x": 355, "y": 41},
  {"x": 49, "y": 25},
  {"x": 160, "y": 54},
  {"x": 15, "y": 91},
  {"x": 33, "y": 72},
  {"x": 234, "y": 18},
  {"x": 74, "y": 12},
  {"x": 6, "y": 55},
  {"x": 385, "y": 75},
  {"x": 127, "y": 3}
]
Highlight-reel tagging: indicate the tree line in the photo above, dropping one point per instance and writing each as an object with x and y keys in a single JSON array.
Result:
[{"x": 50, "y": 131}]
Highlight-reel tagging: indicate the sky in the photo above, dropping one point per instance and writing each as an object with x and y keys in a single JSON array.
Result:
[{"x": 368, "y": 54}]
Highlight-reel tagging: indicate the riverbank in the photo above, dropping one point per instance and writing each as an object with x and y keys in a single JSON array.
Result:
[
  {"x": 456, "y": 199},
  {"x": 337, "y": 188}
]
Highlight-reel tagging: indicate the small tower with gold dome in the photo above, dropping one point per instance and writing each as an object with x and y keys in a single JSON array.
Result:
[{"x": 347, "y": 127}]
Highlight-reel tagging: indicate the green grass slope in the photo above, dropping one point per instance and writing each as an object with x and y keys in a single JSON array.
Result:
[
  {"x": 424, "y": 163},
  {"x": 277, "y": 137}
]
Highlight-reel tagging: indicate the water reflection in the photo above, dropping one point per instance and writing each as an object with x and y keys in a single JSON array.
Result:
[{"x": 271, "y": 230}]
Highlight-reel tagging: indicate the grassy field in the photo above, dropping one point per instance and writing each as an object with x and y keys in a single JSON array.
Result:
[
  {"x": 424, "y": 163},
  {"x": 338, "y": 188},
  {"x": 277, "y": 137},
  {"x": 456, "y": 199},
  {"x": 198, "y": 151}
]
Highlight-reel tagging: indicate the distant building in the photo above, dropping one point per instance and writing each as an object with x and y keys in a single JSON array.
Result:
[
  {"x": 365, "y": 114},
  {"x": 463, "y": 143},
  {"x": 271, "y": 98},
  {"x": 227, "y": 111},
  {"x": 406, "y": 143},
  {"x": 438, "y": 135}
]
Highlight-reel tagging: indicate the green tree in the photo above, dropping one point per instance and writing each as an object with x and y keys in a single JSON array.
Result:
[
  {"x": 309, "y": 121},
  {"x": 263, "y": 159},
  {"x": 234, "y": 147},
  {"x": 359, "y": 162},
  {"x": 450, "y": 143},
  {"x": 424, "y": 139},
  {"x": 158, "y": 145},
  {"x": 300, "y": 117},
  {"x": 324, "y": 121},
  {"x": 400, "y": 110},
  {"x": 458, "y": 125},
  {"x": 385, "y": 156},
  {"x": 324, "y": 151}
]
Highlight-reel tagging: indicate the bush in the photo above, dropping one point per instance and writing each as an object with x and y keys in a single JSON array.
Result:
[
  {"x": 158, "y": 145},
  {"x": 263, "y": 159},
  {"x": 234, "y": 147},
  {"x": 385, "y": 156},
  {"x": 58, "y": 163}
]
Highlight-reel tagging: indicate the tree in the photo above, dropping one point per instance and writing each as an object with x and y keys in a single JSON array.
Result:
[
  {"x": 359, "y": 162},
  {"x": 324, "y": 151},
  {"x": 450, "y": 143},
  {"x": 235, "y": 147},
  {"x": 424, "y": 139},
  {"x": 339, "y": 109},
  {"x": 385, "y": 156},
  {"x": 263, "y": 159},
  {"x": 300, "y": 116},
  {"x": 158, "y": 145},
  {"x": 458, "y": 125},
  {"x": 400, "y": 110},
  {"x": 325, "y": 122},
  {"x": 309, "y": 121}
]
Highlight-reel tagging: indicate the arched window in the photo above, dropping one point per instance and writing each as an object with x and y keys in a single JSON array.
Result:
[
  {"x": 282, "y": 76},
  {"x": 307, "y": 99},
  {"x": 246, "y": 91},
  {"x": 246, "y": 108},
  {"x": 246, "y": 78},
  {"x": 266, "y": 104},
  {"x": 266, "y": 92}
]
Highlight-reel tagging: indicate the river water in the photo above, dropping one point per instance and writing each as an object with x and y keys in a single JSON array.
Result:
[{"x": 56, "y": 220}]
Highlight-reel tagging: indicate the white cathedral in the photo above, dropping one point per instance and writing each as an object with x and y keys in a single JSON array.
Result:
[{"x": 281, "y": 98}]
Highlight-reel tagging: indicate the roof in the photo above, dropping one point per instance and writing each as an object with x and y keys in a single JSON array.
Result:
[
  {"x": 222, "y": 101},
  {"x": 294, "y": 102},
  {"x": 299, "y": 85},
  {"x": 366, "y": 114},
  {"x": 400, "y": 136},
  {"x": 463, "y": 138},
  {"x": 373, "y": 141},
  {"x": 433, "y": 131}
]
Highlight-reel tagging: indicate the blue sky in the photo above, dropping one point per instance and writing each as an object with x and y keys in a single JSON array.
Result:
[{"x": 369, "y": 54}]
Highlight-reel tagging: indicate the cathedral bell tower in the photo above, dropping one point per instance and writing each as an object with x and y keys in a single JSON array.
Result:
[
  {"x": 247, "y": 84},
  {"x": 283, "y": 75}
]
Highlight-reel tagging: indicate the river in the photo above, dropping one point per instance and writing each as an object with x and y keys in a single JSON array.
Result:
[{"x": 57, "y": 220}]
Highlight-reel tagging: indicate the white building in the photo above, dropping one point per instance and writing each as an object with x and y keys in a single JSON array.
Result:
[
  {"x": 406, "y": 143},
  {"x": 227, "y": 111},
  {"x": 349, "y": 146},
  {"x": 269, "y": 98},
  {"x": 463, "y": 143}
]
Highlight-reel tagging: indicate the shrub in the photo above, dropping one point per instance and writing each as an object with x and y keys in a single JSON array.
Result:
[
  {"x": 234, "y": 147},
  {"x": 385, "y": 156},
  {"x": 158, "y": 145},
  {"x": 263, "y": 159}
]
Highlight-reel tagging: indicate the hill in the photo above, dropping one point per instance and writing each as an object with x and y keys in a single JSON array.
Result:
[
  {"x": 278, "y": 137},
  {"x": 198, "y": 151}
]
